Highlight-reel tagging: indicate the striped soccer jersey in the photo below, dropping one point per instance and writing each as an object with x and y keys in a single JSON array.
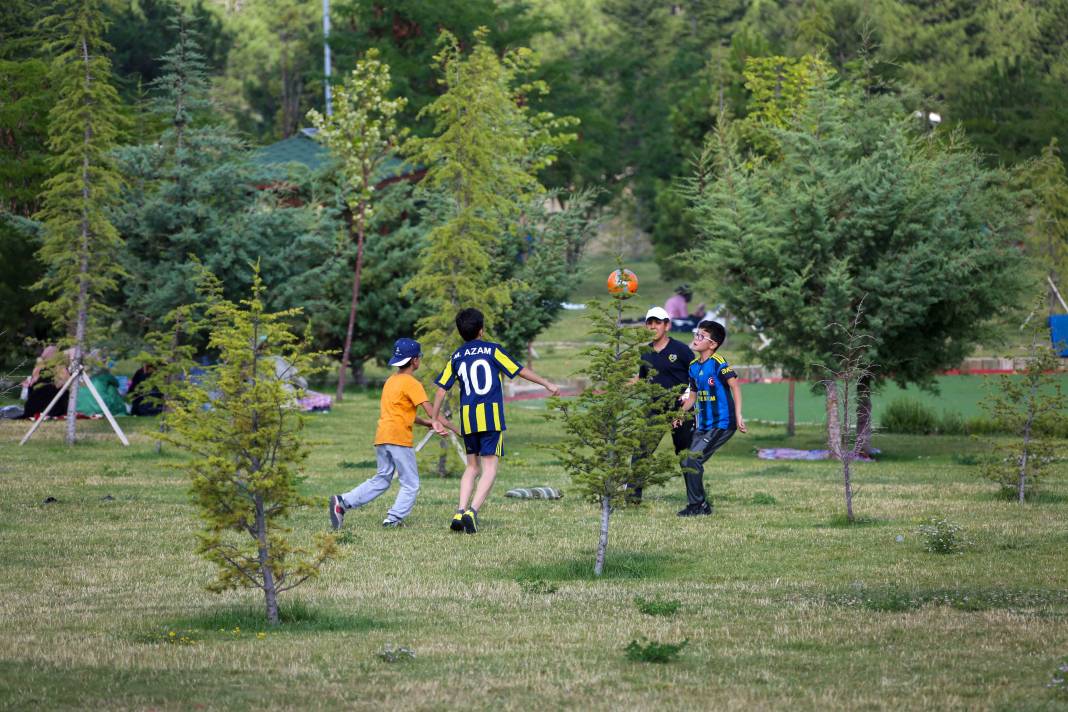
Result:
[
  {"x": 715, "y": 402},
  {"x": 480, "y": 366}
]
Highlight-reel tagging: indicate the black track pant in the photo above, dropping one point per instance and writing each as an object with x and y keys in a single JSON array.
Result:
[
  {"x": 705, "y": 442},
  {"x": 681, "y": 437}
]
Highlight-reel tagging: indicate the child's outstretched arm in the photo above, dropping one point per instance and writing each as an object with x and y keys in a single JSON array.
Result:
[
  {"x": 438, "y": 424},
  {"x": 535, "y": 378},
  {"x": 439, "y": 398},
  {"x": 736, "y": 392}
]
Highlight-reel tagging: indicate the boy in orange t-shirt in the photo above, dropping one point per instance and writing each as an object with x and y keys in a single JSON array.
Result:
[{"x": 402, "y": 396}]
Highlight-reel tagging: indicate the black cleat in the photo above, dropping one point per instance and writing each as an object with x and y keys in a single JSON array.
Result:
[
  {"x": 696, "y": 510},
  {"x": 457, "y": 523},
  {"x": 390, "y": 523},
  {"x": 470, "y": 521}
]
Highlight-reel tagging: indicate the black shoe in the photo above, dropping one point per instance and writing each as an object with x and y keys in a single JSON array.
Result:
[
  {"x": 337, "y": 511},
  {"x": 470, "y": 521},
  {"x": 696, "y": 510},
  {"x": 457, "y": 523}
]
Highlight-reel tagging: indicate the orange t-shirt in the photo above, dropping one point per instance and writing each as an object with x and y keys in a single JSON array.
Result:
[{"x": 401, "y": 396}]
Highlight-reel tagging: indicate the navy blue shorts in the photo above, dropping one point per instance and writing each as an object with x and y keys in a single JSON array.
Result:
[{"x": 491, "y": 443}]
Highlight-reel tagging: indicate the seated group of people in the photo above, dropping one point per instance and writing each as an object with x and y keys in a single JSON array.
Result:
[
  {"x": 50, "y": 373},
  {"x": 678, "y": 308}
]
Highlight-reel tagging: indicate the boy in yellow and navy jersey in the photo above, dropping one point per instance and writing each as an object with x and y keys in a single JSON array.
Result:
[
  {"x": 717, "y": 399},
  {"x": 480, "y": 367}
]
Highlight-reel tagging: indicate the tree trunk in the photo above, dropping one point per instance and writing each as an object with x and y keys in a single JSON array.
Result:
[
  {"x": 834, "y": 425},
  {"x": 82, "y": 317},
  {"x": 355, "y": 302},
  {"x": 791, "y": 418},
  {"x": 270, "y": 595},
  {"x": 847, "y": 461},
  {"x": 864, "y": 414},
  {"x": 602, "y": 542},
  {"x": 1021, "y": 488}
]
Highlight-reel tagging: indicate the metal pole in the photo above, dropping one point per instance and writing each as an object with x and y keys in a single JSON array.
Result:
[{"x": 326, "y": 57}]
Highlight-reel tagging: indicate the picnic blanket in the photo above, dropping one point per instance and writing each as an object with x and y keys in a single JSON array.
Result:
[
  {"x": 786, "y": 453},
  {"x": 534, "y": 493}
]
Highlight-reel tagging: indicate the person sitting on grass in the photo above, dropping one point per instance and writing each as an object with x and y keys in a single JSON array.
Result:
[
  {"x": 478, "y": 365},
  {"x": 715, "y": 392},
  {"x": 402, "y": 396}
]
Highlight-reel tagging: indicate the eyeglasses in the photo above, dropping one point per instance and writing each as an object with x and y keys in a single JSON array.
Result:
[{"x": 698, "y": 336}]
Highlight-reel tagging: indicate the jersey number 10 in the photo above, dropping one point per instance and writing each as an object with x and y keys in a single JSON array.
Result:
[{"x": 473, "y": 380}]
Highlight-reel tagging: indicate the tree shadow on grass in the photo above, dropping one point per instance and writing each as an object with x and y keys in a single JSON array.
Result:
[
  {"x": 295, "y": 617},
  {"x": 618, "y": 565}
]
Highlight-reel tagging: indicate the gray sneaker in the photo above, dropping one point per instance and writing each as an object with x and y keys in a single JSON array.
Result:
[{"x": 337, "y": 511}]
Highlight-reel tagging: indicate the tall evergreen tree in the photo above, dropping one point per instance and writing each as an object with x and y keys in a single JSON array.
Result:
[
  {"x": 26, "y": 94},
  {"x": 483, "y": 158},
  {"x": 80, "y": 245}
]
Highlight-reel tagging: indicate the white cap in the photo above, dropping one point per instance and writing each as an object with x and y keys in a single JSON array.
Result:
[{"x": 657, "y": 313}]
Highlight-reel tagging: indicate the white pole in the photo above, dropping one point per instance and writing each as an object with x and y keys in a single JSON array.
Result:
[
  {"x": 46, "y": 411},
  {"x": 326, "y": 57},
  {"x": 104, "y": 407}
]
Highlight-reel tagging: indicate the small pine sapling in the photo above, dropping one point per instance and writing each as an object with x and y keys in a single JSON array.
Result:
[
  {"x": 606, "y": 425},
  {"x": 1032, "y": 408},
  {"x": 243, "y": 427}
]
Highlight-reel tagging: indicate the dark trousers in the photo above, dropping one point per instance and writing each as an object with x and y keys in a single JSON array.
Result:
[
  {"x": 681, "y": 437},
  {"x": 705, "y": 442}
]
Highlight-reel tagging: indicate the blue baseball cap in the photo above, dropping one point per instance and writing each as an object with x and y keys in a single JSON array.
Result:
[{"x": 404, "y": 350}]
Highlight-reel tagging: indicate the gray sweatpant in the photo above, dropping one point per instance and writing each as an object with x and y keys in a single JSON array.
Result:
[{"x": 390, "y": 458}]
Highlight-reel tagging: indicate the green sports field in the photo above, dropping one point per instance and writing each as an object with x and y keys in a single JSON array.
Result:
[{"x": 782, "y": 605}]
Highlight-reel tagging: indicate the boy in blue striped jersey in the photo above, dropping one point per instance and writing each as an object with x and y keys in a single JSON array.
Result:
[
  {"x": 717, "y": 398},
  {"x": 480, "y": 366}
]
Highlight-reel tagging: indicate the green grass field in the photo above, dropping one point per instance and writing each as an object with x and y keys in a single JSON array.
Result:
[{"x": 781, "y": 604}]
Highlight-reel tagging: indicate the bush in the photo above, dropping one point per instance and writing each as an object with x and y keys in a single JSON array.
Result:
[
  {"x": 653, "y": 652},
  {"x": 943, "y": 537},
  {"x": 656, "y": 606},
  {"x": 909, "y": 417}
]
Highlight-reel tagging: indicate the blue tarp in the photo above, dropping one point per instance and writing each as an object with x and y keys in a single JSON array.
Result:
[{"x": 1058, "y": 327}]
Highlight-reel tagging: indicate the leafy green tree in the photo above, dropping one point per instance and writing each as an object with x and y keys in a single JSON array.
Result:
[
  {"x": 362, "y": 133},
  {"x": 1045, "y": 187},
  {"x": 246, "y": 441},
  {"x": 273, "y": 71},
  {"x": 405, "y": 33},
  {"x": 861, "y": 206},
  {"x": 80, "y": 245},
  {"x": 606, "y": 425},
  {"x": 1032, "y": 408}
]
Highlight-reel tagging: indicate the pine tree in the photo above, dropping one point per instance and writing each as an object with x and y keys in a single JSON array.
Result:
[
  {"x": 607, "y": 424},
  {"x": 1045, "y": 186},
  {"x": 483, "y": 158},
  {"x": 246, "y": 439},
  {"x": 1032, "y": 409},
  {"x": 361, "y": 134},
  {"x": 195, "y": 189},
  {"x": 861, "y": 206},
  {"x": 80, "y": 245}
]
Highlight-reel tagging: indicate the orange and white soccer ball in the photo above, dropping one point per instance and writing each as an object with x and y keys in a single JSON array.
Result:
[{"x": 622, "y": 283}]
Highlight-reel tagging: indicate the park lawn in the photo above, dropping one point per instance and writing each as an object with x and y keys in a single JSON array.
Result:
[{"x": 782, "y": 605}]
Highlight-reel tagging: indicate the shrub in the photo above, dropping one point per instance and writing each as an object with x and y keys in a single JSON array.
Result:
[
  {"x": 909, "y": 417},
  {"x": 943, "y": 537},
  {"x": 657, "y": 606},
  {"x": 653, "y": 652}
]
